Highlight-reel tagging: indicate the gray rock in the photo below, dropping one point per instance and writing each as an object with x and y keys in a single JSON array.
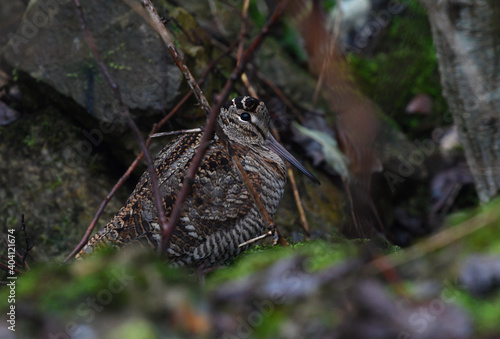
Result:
[
  {"x": 480, "y": 274},
  {"x": 375, "y": 313},
  {"x": 50, "y": 46}
]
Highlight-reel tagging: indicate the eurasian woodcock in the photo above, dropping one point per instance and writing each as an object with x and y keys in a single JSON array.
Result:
[{"x": 220, "y": 213}]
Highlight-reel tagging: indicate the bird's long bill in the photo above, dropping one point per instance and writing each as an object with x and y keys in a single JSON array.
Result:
[{"x": 285, "y": 155}]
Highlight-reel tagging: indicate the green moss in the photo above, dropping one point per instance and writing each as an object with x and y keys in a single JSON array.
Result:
[
  {"x": 257, "y": 13},
  {"x": 61, "y": 288},
  {"x": 134, "y": 329},
  {"x": 485, "y": 312},
  {"x": 318, "y": 255},
  {"x": 119, "y": 67},
  {"x": 15, "y": 74},
  {"x": 43, "y": 129},
  {"x": 329, "y": 4},
  {"x": 31, "y": 138},
  {"x": 271, "y": 324},
  {"x": 487, "y": 219},
  {"x": 121, "y": 49}
]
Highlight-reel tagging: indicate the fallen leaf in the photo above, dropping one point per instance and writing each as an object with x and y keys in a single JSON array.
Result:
[{"x": 333, "y": 156}]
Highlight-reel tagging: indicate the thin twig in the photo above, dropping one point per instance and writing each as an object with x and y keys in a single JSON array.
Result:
[
  {"x": 102, "y": 206},
  {"x": 439, "y": 240},
  {"x": 319, "y": 84},
  {"x": 124, "y": 111},
  {"x": 355, "y": 221},
  {"x": 243, "y": 30},
  {"x": 251, "y": 89},
  {"x": 298, "y": 202},
  {"x": 281, "y": 95},
  {"x": 26, "y": 240},
  {"x": 156, "y": 23},
  {"x": 8, "y": 269},
  {"x": 6, "y": 259},
  {"x": 251, "y": 241},
  {"x": 182, "y": 131},
  {"x": 215, "y": 15},
  {"x": 338, "y": 22}
]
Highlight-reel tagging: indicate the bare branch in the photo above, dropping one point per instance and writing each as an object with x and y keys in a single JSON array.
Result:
[
  {"x": 156, "y": 23},
  {"x": 281, "y": 95}
]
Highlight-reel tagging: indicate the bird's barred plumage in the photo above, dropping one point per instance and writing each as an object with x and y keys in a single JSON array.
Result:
[{"x": 219, "y": 214}]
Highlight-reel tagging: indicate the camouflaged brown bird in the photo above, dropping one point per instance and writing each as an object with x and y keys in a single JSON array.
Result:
[{"x": 219, "y": 214}]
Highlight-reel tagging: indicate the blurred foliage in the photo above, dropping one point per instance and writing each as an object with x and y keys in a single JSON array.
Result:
[
  {"x": 403, "y": 65},
  {"x": 484, "y": 311},
  {"x": 258, "y": 12},
  {"x": 149, "y": 297},
  {"x": 322, "y": 254},
  {"x": 488, "y": 218},
  {"x": 154, "y": 298}
]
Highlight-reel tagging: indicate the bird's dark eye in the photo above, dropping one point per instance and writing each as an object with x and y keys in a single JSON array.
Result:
[{"x": 245, "y": 116}]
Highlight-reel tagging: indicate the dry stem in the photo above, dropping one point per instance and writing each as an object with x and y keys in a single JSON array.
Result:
[{"x": 298, "y": 202}]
